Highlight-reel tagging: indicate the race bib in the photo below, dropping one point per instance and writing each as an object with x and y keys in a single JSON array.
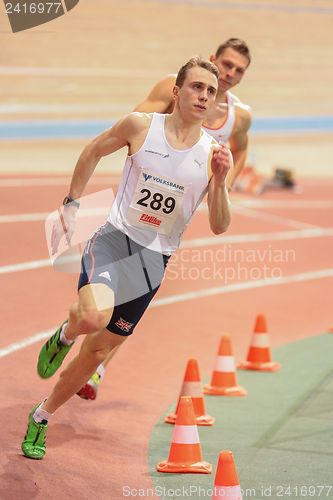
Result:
[{"x": 156, "y": 203}]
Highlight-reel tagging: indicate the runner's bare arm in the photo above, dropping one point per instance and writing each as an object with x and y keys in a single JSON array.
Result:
[
  {"x": 160, "y": 98},
  {"x": 131, "y": 132},
  {"x": 238, "y": 145},
  {"x": 128, "y": 131},
  {"x": 218, "y": 198}
]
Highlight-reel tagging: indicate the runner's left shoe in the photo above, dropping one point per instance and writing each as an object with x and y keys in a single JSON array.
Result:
[{"x": 52, "y": 355}]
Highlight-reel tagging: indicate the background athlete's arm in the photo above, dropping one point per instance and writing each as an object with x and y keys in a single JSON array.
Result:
[
  {"x": 238, "y": 143},
  {"x": 160, "y": 98},
  {"x": 218, "y": 198}
]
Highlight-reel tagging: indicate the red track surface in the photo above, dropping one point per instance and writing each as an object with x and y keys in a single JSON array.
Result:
[{"x": 95, "y": 448}]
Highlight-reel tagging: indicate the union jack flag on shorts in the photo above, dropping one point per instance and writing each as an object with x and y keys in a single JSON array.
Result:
[{"x": 124, "y": 325}]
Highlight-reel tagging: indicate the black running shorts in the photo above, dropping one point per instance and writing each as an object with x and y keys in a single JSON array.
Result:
[{"x": 132, "y": 271}]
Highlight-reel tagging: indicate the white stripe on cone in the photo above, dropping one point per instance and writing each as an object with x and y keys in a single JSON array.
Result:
[
  {"x": 192, "y": 389},
  {"x": 225, "y": 364},
  {"x": 227, "y": 493},
  {"x": 185, "y": 434},
  {"x": 260, "y": 340}
]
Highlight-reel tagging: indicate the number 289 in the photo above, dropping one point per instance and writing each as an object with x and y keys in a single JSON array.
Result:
[{"x": 156, "y": 202}]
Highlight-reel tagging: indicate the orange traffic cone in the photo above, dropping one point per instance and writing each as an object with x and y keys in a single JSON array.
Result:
[
  {"x": 185, "y": 450},
  {"x": 192, "y": 387},
  {"x": 224, "y": 379},
  {"x": 259, "y": 356},
  {"x": 226, "y": 483}
]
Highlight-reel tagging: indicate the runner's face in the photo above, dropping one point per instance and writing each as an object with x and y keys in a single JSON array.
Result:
[
  {"x": 198, "y": 92},
  {"x": 231, "y": 66}
]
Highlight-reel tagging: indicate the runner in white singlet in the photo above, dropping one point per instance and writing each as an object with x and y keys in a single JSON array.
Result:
[
  {"x": 171, "y": 164},
  {"x": 228, "y": 121}
]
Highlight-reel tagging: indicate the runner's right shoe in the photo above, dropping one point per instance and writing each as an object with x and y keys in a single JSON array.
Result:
[
  {"x": 33, "y": 444},
  {"x": 52, "y": 355},
  {"x": 89, "y": 391}
]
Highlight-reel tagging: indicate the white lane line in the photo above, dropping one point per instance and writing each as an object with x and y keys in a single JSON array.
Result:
[
  {"x": 25, "y": 266},
  {"x": 202, "y": 242},
  {"x": 244, "y": 285},
  {"x": 41, "y": 216},
  {"x": 17, "y": 346},
  {"x": 250, "y": 212},
  {"x": 256, "y": 214},
  {"x": 207, "y": 292},
  {"x": 258, "y": 237},
  {"x": 35, "y": 216},
  {"x": 54, "y": 181},
  {"x": 60, "y": 108},
  {"x": 241, "y": 208},
  {"x": 312, "y": 204},
  {"x": 84, "y": 72}
]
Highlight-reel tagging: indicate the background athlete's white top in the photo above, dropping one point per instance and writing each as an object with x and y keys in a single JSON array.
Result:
[
  {"x": 158, "y": 171},
  {"x": 223, "y": 133}
]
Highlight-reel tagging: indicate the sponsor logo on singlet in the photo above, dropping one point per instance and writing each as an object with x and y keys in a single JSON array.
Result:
[
  {"x": 157, "y": 153},
  {"x": 165, "y": 182},
  {"x": 199, "y": 163},
  {"x": 150, "y": 219}
]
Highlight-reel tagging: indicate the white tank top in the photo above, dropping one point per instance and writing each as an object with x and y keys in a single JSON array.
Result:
[
  {"x": 223, "y": 133},
  {"x": 160, "y": 189}
]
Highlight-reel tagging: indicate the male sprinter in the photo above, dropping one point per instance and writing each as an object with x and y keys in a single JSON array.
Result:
[
  {"x": 228, "y": 121},
  {"x": 172, "y": 163}
]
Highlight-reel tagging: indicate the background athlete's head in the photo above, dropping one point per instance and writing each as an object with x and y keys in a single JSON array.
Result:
[{"x": 232, "y": 58}]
